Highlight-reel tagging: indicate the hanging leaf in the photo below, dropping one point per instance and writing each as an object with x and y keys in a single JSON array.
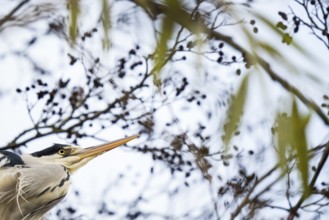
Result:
[
  {"x": 291, "y": 133},
  {"x": 283, "y": 134},
  {"x": 299, "y": 144},
  {"x": 166, "y": 33},
  {"x": 106, "y": 22},
  {"x": 174, "y": 10},
  {"x": 74, "y": 14},
  {"x": 235, "y": 111}
]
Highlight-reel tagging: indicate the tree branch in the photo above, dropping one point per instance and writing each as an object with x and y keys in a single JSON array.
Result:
[
  {"x": 183, "y": 19},
  {"x": 9, "y": 16}
]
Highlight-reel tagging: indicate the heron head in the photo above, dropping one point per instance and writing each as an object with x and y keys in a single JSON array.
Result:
[{"x": 74, "y": 157}]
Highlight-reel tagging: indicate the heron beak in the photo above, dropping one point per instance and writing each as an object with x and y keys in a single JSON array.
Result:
[{"x": 100, "y": 149}]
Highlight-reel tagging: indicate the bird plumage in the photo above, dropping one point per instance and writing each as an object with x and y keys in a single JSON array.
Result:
[
  {"x": 32, "y": 184},
  {"x": 27, "y": 191}
]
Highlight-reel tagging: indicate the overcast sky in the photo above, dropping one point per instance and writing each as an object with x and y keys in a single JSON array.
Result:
[{"x": 93, "y": 180}]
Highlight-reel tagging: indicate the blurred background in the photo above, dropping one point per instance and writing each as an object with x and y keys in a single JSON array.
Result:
[{"x": 230, "y": 98}]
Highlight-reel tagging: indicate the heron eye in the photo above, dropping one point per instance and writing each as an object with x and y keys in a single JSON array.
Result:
[{"x": 62, "y": 152}]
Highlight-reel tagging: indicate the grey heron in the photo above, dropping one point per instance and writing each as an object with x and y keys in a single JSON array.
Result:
[{"x": 32, "y": 184}]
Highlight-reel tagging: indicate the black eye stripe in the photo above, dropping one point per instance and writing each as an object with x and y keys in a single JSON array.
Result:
[{"x": 50, "y": 150}]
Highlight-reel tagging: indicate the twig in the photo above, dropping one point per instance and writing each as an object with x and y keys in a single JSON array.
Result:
[
  {"x": 12, "y": 12},
  {"x": 183, "y": 19}
]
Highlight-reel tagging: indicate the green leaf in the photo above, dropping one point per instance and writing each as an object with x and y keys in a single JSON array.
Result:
[
  {"x": 281, "y": 25},
  {"x": 175, "y": 11},
  {"x": 299, "y": 145},
  {"x": 283, "y": 132},
  {"x": 166, "y": 33},
  {"x": 235, "y": 111},
  {"x": 74, "y": 14},
  {"x": 106, "y": 22},
  {"x": 286, "y": 38},
  {"x": 291, "y": 133}
]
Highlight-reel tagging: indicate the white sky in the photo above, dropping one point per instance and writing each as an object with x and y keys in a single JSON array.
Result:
[{"x": 93, "y": 179}]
